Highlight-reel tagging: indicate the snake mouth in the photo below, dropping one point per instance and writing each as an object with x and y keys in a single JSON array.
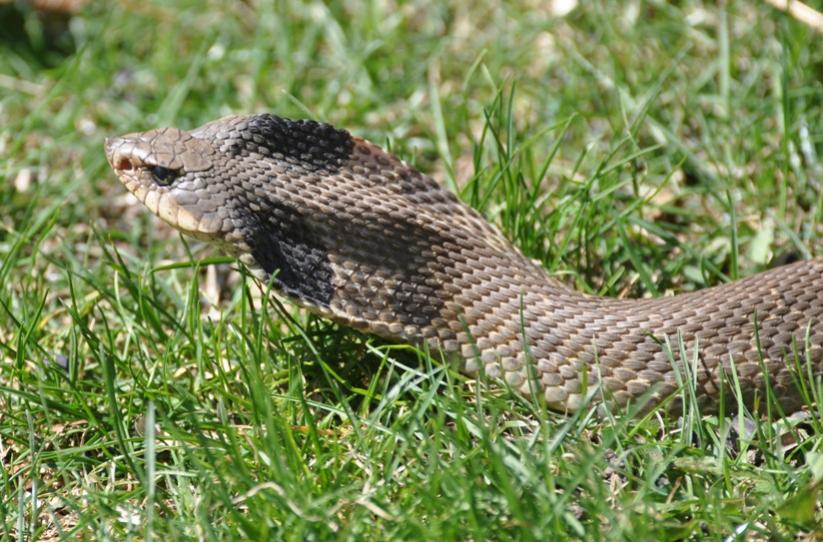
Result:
[{"x": 164, "y": 203}]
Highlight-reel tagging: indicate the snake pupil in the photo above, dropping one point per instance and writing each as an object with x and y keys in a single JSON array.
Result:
[{"x": 162, "y": 175}]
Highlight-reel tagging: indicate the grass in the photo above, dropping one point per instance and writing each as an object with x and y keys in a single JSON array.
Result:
[{"x": 635, "y": 148}]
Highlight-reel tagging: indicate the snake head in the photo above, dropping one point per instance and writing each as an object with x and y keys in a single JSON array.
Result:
[
  {"x": 251, "y": 185},
  {"x": 222, "y": 181},
  {"x": 168, "y": 171}
]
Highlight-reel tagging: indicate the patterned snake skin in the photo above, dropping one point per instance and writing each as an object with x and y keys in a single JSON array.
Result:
[{"x": 356, "y": 235}]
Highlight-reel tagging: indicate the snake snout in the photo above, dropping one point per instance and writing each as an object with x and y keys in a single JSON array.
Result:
[{"x": 118, "y": 161}]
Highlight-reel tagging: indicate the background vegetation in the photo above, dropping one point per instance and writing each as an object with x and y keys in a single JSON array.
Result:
[{"x": 635, "y": 148}]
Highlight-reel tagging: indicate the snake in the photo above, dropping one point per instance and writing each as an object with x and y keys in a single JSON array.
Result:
[{"x": 352, "y": 233}]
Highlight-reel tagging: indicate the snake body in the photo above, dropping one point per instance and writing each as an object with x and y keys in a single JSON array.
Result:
[{"x": 355, "y": 234}]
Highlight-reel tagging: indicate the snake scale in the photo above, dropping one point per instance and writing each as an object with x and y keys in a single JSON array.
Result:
[{"x": 356, "y": 235}]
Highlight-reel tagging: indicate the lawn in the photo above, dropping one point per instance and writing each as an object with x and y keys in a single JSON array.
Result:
[{"x": 150, "y": 390}]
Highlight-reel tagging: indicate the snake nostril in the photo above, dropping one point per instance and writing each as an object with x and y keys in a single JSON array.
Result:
[{"x": 123, "y": 164}]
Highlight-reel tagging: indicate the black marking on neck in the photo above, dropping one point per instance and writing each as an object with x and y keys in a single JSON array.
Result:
[
  {"x": 308, "y": 144},
  {"x": 290, "y": 252}
]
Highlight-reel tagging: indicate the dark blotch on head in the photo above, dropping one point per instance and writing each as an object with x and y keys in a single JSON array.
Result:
[{"x": 305, "y": 143}]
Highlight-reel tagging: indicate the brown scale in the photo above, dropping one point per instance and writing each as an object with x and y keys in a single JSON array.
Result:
[{"x": 360, "y": 237}]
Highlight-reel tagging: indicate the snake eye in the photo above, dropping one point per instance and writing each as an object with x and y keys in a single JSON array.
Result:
[{"x": 163, "y": 175}]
